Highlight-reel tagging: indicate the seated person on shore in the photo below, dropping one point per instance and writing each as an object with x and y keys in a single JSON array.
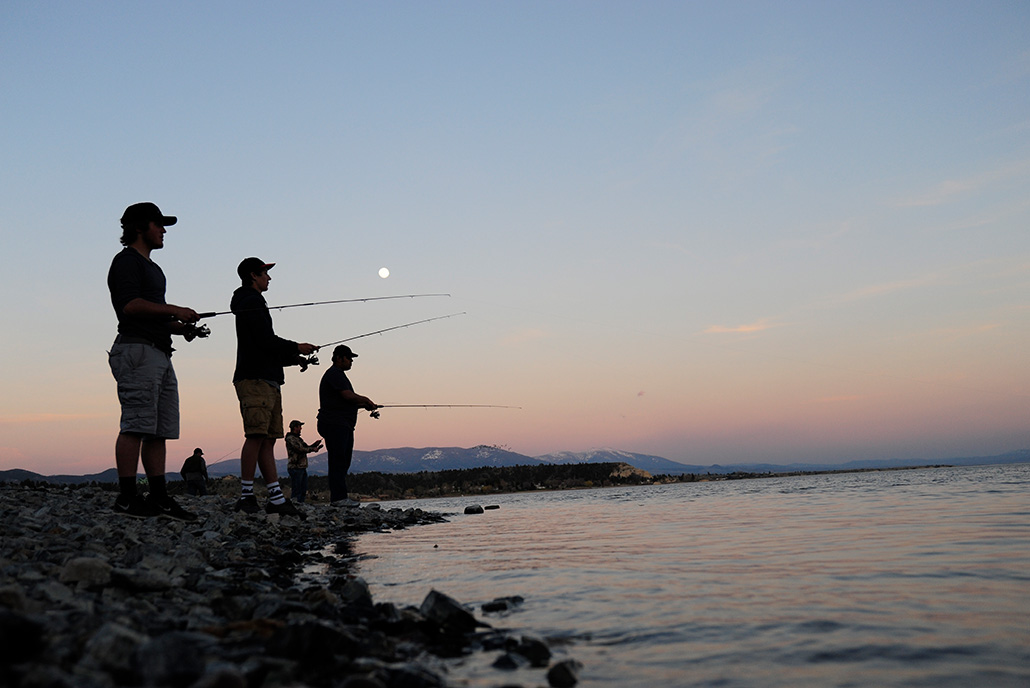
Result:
[{"x": 194, "y": 473}]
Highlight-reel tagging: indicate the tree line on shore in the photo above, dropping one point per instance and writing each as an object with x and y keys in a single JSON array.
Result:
[
  {"x": 484, "y": 480},
  {"x": 503, "y": 479}
]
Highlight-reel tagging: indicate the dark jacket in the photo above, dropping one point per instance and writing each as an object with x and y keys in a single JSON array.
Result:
[
  {"x": 260, "y": 353},
  {"x": 194, "y": 465}
]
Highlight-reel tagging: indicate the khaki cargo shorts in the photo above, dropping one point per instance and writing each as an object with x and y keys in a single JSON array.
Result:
[{"x": 261, "y": 405}]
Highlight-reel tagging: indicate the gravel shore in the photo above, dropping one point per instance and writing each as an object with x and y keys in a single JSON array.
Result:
[{"x": 95, "y": 599}]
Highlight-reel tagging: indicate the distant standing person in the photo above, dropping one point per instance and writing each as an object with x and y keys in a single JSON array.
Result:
[
  {"x": 194, "y": 473},
  {"x": 297, "y": 460},
  {"x": 337, "y": 416},
  {"x": 141, "y": 362},
  {"x": 258, "y": 378}
]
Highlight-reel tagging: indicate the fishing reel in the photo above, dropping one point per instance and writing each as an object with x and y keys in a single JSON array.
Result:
[
  {"x": 191, "y": 332},
  {"x": 373, "y": 414},
  {"x": 305, "y": 361}
]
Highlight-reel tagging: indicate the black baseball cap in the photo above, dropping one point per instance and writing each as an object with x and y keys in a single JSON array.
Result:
[
  {"x": 142, "y": 213},
  {"x": 344, "y": 350},
  {"x": 251, "y": 266}
]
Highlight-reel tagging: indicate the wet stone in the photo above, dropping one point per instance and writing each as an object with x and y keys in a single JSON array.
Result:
[{"x": 564, "y": 674}]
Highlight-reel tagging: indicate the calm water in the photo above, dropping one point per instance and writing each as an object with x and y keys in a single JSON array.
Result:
[{"x": 898, "y": 578}]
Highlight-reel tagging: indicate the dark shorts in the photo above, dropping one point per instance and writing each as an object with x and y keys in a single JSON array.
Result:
[
  {"x": 147, "y": 390},
  {"x": 261, "y": 405}
]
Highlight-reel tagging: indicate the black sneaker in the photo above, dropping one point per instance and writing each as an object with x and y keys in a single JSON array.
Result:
[
  {"x": 285, "y": 509},
  {"x": 136, "y": 507},
  {"x": 247, "y": 505},
  {"x": 169, "y": 508}
]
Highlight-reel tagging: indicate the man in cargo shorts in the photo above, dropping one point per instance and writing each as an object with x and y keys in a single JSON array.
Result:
[
  {"x": 260, "y": 358},
  {"x": 141, "y": 362}
]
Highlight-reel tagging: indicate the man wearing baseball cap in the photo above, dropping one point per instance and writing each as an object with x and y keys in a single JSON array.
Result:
[
  {"x": 337, "y": 415},
  {"x": 297, "y": 451},
  {"x": 141, "y": 362},
  {"x": 260, "y": 357}
]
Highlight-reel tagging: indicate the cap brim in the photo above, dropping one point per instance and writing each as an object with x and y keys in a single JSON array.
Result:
[
  {"x": 269, "y": 266},
  {"x": 168, "y": 220}
]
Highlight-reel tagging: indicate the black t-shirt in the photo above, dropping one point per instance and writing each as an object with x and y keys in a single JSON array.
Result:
[
  {"x": 333, "y": 408},
  {"x": 133, "y": 276}
]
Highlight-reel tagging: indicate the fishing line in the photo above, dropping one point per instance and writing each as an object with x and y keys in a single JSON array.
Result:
[
  {"x": 211, "y": 314},
  {"x": 387, "y": 329}
]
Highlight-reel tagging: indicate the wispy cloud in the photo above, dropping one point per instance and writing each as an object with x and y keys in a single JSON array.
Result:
[
  {"x": 974, "y": 273},
  {"x": 32, "y": 418},
  {"x": 950, "y": 189},
  {"x": 758, "y": 326}
]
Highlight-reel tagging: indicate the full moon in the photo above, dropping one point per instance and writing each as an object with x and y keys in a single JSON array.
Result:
[{"x": 384, "y": 273}]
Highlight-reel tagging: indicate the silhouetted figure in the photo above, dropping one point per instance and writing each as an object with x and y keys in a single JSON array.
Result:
[
  {"x": 297, "y": 460},
  {"x": 194, "y": 473},
  {"x": 260, "y": 358},
  {"x": 141, "y": 362},
  {"x": 337, "y": 416}
]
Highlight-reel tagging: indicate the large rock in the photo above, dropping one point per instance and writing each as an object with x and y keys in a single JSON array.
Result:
[
  {"x": 448, "y": 613},
  {"x": 89, "y": 572}
]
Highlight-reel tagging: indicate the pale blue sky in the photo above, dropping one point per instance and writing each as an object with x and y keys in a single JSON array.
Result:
[{"x": 710, "y": 231}]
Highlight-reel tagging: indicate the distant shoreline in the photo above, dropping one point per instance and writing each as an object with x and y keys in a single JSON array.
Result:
[{"x": 486, "y": 481}]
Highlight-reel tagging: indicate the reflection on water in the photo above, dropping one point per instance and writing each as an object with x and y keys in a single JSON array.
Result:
[{"x": 869, "y": 579}]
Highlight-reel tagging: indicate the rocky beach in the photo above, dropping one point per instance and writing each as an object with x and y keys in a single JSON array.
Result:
[{"x": 96, "y": 599}]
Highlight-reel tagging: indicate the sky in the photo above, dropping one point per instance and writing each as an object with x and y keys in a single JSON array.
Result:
[{"x": 717, "y": 232}]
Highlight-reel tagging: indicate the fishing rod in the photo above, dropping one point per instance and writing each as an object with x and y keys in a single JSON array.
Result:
[
  {"x": 387, "y": 329},
  {"x": 211, "y": 314},
  {"x": 304, "y": 362},
  {"x": 375, "y": 413}
]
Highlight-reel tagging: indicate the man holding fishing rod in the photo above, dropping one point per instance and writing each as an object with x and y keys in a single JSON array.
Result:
[
  {"x": 258, "y": 378},
  {"x": 141, "y": 362},
  {"x": 338, "y": 406}
]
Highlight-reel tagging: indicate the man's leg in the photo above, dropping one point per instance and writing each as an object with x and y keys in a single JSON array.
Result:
[
  {"x": 266, "y": 461},
  {"x": 126, "y": 459},
  {"x": 126, "y": 455},
  {"x": 249, "y": 457},
  {"x": 248, "y": 465},
  {"x": 153, "y": 454},
  {"x": 339, "y": 444},
  {"x": 296, "y": 484}
]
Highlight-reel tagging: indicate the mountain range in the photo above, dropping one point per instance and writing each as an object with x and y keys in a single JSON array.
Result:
[{"x": 412, "y": 460}]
